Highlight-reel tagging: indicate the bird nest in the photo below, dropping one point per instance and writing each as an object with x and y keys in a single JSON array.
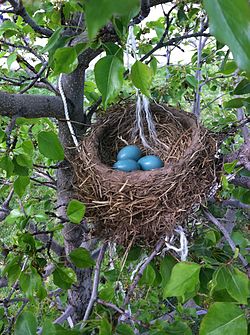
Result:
[{"x": 138, "y": 207}]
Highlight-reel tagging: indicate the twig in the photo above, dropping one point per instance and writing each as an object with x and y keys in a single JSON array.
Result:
[
  {"x": 24, "y": 47},
  {"x": 200, "y": 47},
  {"x": 226, "y": 235},
  {"x": 11, "y": 125},
  {"x": 110, "y": 305},
  {"x": 141, "y": 271},
  {"x": 31, "y": 84},
  {"x": 95, "y": 284},
  {"x": 68, "y": 311},
  {"x": 45, "y": 238},
  {"x": 4, "y": 210}
]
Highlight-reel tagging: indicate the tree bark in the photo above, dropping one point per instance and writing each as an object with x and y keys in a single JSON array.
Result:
[
  {"x": 74, "y": 234},
  {"x": 30, "y": 105}
]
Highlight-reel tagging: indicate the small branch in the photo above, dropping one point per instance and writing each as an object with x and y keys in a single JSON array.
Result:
[
  {"x": 200, "y": 47},
  {"x": 145, "y": 10},
  {"x": 141, "y": 271},
  {"x": 37, "y": 77},
  {"x": 45, "y": 238},
  {"x": 20, "y": 10},
  {"x": 245, "y": 129},
  {"x": 91, "y": 110},
  {"x": 241, "y": 181},
  {"x": 226, "y": 235},
  {"x": 69, "y": 311},
  {"x": 24, "y": 47},
  {"x": 4, "y": 210},
  {"x": 235, "y": 203},
  {"x": 110, "y": 305},
  {"x": 95, "y": 284}
]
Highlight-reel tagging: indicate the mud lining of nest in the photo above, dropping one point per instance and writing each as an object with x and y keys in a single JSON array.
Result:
[{"x": 139, "y": 207}]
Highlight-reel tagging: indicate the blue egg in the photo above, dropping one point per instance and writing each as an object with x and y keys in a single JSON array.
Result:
[
  {"x": 150, "y": 162},
  {"x": 126, "y": 165},
  {"x": 129, "y": 152}
]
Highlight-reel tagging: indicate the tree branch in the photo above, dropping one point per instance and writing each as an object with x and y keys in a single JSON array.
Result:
[
  {"x": 95, "y": 283},
  {"x": 241, "y": 181},
  {"x": 141, "y": 271},
  {"x": 30, "y": 106},
  {"x": 225, "y": 233},
  {"x": 21, "y": 11},
  {"x": 45, "y": 238}
]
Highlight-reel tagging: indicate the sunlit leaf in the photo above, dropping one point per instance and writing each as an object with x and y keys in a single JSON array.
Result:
[
  {"x": 229, "y": 22},
  {"x": 224, "y": 319}
]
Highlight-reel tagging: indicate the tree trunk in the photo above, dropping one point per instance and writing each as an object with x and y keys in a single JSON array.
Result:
[{"x": 74, "y": 234}]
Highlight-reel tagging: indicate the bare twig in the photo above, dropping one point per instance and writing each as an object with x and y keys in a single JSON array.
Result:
[
  {"x": 45, "y": 238},
  {"x": 68, "y": 311},
  {"x": 4, "y": 210},
  {"x": 95, "y": 283},
  {"x": 226, "y": 235},
  {"x": 141, "y": 271},
  {"x": 200, "y": 47},
  {"x": 37, "y": 77}
]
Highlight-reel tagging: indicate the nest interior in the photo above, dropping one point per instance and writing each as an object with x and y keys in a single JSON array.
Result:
[{"x": 139, "y": 207}]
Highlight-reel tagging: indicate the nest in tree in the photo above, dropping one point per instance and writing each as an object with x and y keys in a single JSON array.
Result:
[{"x": 138, "y": 207}]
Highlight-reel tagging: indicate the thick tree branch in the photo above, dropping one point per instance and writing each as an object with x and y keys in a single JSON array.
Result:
[{"x": 30, "y": 106}]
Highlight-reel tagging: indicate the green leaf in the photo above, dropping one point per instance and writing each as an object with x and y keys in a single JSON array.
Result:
[
  {"x": 141, "y": 76},
  {"x": 53, "y": 40},
  {"x": 28, "y": 147},
  {"x": 166, "y": 267},
  {"x": 24, "y": 160},
  {"x": 60, "y": 330},
  {"x": 238, "y": 285},
  {"x": 192, "y": 80},
  {"x": 229, "y": 67},
  {"x": 234, "y": 103},
  {"x": 65, "y": 60},
  {"x": 20, "y": 185},
  {"x": 11, "y": 59},
  {"x": 20, "y": 170},
  {"x": 8, "y": 26},
  {"x": 124, "y": 329},
  {"x": 99, "y": 12},
  {"x": 30, "y": 282},
  {"x": 229, "y": 167},
  {"x": 113, "y": 49},
  {"x": 105, "y": 327},
  {"x": 148, "y": 276},
  {"x": 50, "y": 146},
  {"x": 81, "y": 258},
  {"x": 26, "y": 324},
  {"x": 243, "y": 87},
  {"x": 63, "y": 278},
  {"x": 232, "y": 280},
  {"x": 75, "y": 211},
  {"x": 109, "y": 77},
  {"x": 224, "y": 319},
  {"x": 48, "y": 328},
  {"x": 7, "y": 165},
  {"x": 229, "y": 22},
  {"x": 184, "y": 279}
]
